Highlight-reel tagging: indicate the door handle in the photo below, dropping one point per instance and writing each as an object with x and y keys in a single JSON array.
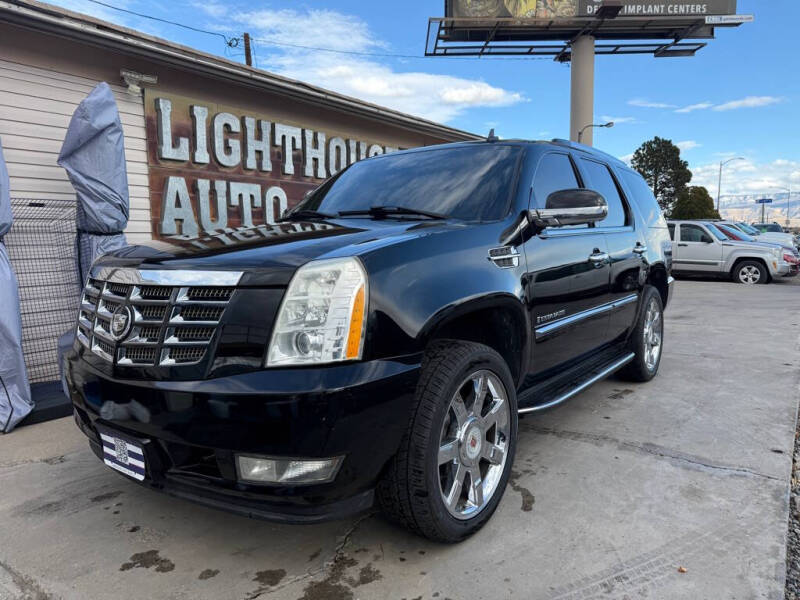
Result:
[
  {"x": 597, "y": 258},
  {"x": 683, "y": 245},
  {"x": 640, "y": 248}
]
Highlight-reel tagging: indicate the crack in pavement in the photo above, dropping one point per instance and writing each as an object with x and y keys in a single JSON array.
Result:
[
  {"x": 338, "y": 553},
  {"x": 647, "y": 448},
  {"x": 30, "y": 589}
]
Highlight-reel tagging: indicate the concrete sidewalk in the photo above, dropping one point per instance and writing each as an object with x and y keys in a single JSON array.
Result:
[{"x": 611, "y": 495}]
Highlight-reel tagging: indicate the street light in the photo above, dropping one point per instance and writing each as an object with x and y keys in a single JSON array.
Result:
[
  {"x": 719, "y": 181},
  {"x": 580, "y": 133},
  {"x": 788, "y": 191}
]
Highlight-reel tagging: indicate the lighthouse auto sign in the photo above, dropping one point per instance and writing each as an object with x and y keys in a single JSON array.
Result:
[{"x": 214, "y": 168}]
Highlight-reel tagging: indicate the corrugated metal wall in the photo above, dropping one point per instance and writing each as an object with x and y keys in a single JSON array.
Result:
[{"x": 36, "y": 105}]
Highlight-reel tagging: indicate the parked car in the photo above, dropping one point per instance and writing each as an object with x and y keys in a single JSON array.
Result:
[
  {"x": 784, "y": 239},
  {"x": 381, "y": 341},
  {"x": 768, "y": 227},
  {"x": 699, "y": 247},
  {"x": 790, "y": 254}
]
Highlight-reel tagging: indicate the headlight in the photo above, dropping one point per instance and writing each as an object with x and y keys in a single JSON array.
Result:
[
  {"x": 322, "y": 316},
  {"x": 776, "y": 252}
]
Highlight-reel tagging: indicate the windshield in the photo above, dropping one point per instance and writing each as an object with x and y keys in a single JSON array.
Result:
[
  {"x": 471, "y": 183},
  {"x": 717, "y": 233},
  {"x": 769, "y": 227},
  {"x": 735, "y": 233},
  {"x": 747, "y": 229}
]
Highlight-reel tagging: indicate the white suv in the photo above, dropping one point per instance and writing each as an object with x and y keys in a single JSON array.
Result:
[{"x": 700, "y": 247}]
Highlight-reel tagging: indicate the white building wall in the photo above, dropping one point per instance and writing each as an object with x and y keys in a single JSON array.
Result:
[{"x": 36, "y": 104}]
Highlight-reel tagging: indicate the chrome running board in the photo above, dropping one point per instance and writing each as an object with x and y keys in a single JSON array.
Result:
[{"x": 615, "y": 366}]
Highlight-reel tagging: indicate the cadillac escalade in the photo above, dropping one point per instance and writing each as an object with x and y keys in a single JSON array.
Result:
[{"x": 379, "y": 342}]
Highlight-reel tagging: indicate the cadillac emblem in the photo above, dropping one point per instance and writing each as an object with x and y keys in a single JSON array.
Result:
[{"x": 121, "y": 320}]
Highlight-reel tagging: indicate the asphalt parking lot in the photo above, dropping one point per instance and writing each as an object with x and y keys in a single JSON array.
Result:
[{"x": 674, "y": 489}]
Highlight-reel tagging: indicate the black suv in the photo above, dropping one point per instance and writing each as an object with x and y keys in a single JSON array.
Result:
[{"x": 380, "y": 341}]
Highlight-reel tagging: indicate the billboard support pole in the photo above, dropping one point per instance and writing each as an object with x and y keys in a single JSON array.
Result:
[{"x": 582, "y": 89}]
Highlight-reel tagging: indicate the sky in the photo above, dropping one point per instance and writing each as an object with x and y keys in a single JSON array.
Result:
[{"x": 738, "y": 97}]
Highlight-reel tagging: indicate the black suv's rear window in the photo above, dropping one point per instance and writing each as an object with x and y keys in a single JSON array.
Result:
[{"x": 472, "y": 183}]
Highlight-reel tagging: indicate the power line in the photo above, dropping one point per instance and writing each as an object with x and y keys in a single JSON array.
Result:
[
  {"x": 234, "y": 41},
  {"x": 230, "y": 41}
]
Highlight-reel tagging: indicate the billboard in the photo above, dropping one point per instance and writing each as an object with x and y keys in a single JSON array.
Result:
[{"x": 555, "y": 9}]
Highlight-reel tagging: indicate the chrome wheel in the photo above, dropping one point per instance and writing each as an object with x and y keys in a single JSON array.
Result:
[
  {"x": 473, "y": 444},
  {"x": 749, "y": 274},
  {"x": 653, "y": 329}
]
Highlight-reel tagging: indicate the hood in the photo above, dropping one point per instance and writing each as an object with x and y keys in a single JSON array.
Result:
[
  {"x": 787, "y": 239},
  {"x": 270, "y": 254},
  {"x": 765, "y": 246}
]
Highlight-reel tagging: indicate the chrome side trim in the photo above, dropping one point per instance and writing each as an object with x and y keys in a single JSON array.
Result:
[
  {"x": 556, "y": 232},
  {"x": 626, "y": 300},
  {"x": 601, "y": 375},
  {"x": 166, "y": 277},
  {"x": 580, "y": 316}
]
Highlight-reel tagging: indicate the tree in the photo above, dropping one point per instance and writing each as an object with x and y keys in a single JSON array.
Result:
[
  {"x": 659, "y": 162},
  {"x": 694, "y": 203}
]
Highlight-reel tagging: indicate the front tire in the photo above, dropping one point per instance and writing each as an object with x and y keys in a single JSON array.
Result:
[
  {"x": 647, "y": 338},
  {"x": 750, "y": 272},
  {"x": 454, "y": 461}
]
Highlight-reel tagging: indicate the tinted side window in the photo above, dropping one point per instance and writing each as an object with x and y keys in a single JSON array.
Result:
[
  {"x": 600, "y": 180},
  {"x": 694, "y": 233},
  {"x": 643, "y": 197},
  {"x": 554, "y": 173},
  {"x": 671, "y": 231}
]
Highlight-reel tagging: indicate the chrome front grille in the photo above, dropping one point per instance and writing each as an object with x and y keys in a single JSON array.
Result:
[{"x": 172, "y": 324}]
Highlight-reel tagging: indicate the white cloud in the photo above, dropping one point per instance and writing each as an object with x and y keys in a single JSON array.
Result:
[
  {"x": 744, "y": 181},
  {"x": 644, "y": 103},
  {"x": 749, "y": 102},
  {"x": 618, "y": 120},
  {"x": 431, "y": 96},
  {"x": 627, "y": 158},
  {"x": 687, "y": 145},
  {"x": 693, "y": 107},
  {"x": 217, "y": 10}
]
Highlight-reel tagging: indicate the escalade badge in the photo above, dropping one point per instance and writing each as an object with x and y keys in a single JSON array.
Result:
[{"x": 121, "y": 321}]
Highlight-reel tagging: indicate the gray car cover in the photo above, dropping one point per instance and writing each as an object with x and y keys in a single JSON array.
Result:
[
  {"x": 93, "y": 154},
  {"x": 15, "y": 392}
]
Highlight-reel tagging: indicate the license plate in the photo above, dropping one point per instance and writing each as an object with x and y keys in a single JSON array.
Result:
[{"x": 123, "y": 454}]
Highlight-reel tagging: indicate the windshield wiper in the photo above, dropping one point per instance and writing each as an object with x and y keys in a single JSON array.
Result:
[
  {"x": 381, "y": 212},
  {"x": 299, "y": 215}
]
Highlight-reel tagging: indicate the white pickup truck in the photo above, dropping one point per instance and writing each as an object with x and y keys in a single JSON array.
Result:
[{"x": 699, "y": 247}]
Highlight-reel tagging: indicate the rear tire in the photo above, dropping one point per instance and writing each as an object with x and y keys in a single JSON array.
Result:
[
  {"x": 454, "y": 461},
  {"x": 750, "y": 272},
  {"x": 647, "y": 338}
]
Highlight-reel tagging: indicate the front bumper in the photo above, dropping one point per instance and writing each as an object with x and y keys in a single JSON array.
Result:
[
  {"x": 781, "y": 268},
  {"x": 191, "y": 431}
]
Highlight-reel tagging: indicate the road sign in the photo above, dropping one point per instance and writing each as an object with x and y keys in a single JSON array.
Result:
[{"x": 764, "y": 201}]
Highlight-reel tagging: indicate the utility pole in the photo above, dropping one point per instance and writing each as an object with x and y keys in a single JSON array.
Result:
[
  {"x": 582, "y": 89},
  {"x": 248, "y": 54}
]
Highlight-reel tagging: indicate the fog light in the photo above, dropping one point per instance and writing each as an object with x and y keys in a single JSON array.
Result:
[{"x": 255, "y": 469}]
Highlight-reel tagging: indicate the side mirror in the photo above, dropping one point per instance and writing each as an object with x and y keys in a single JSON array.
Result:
[{"x": 571, "y": 207}]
